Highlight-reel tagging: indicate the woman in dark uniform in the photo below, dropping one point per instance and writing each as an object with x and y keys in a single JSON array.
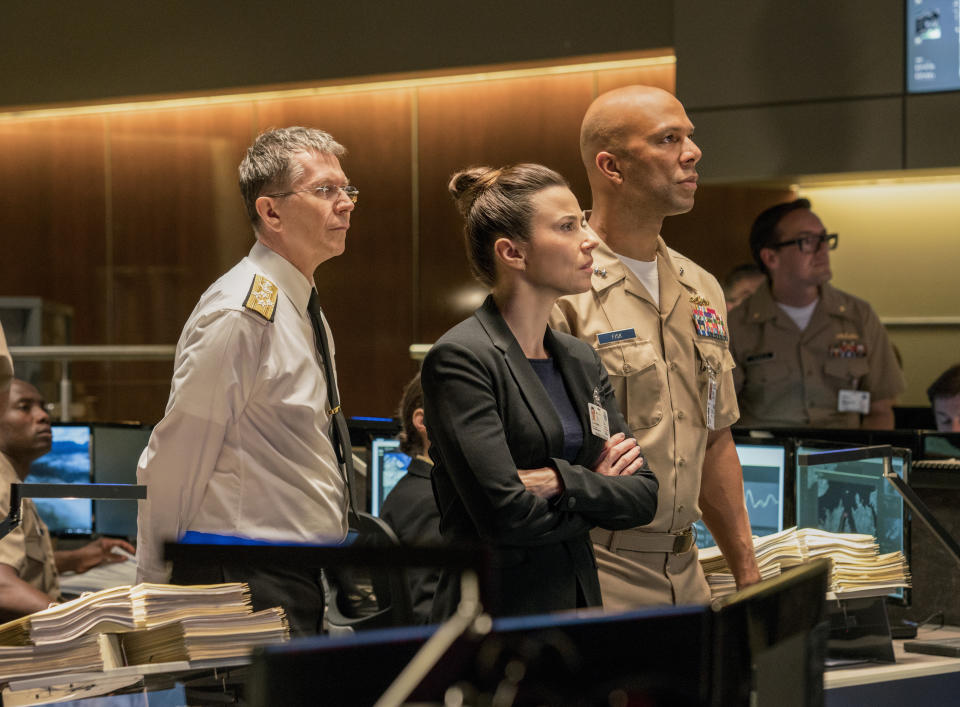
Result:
[{"x": 530, "y": 450}]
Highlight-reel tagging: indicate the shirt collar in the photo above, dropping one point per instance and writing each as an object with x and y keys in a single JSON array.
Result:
[{"x": 283, "y": 274}]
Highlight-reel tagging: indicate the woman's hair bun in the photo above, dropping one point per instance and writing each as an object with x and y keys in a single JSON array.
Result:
[{"x": 465, "y": 186}]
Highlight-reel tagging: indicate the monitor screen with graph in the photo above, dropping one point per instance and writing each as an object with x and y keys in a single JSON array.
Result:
[{"x": 765, "y": 468}]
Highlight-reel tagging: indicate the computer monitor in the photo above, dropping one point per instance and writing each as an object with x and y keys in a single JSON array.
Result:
[
  {"x": 386, "y": 466},
  {"x": 116, "y": 451},
  {"x": 771, "y": 639},
  {"x": 939, "y": 445},
  {"x": 907, "y": 439},
  {"x": 766, "y": 466},
  {"x": 854, "y": 497},
  {"x": 67, "y": 462}
]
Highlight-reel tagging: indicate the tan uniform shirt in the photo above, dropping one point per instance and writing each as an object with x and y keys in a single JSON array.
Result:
[
  {"x": 27, "y": 548},
  {"x": 661, "y": 365},
  {"x": 791, "y": 378}
]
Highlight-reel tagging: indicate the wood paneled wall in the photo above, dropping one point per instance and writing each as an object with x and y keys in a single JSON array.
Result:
[{"x": 129, "y": 216}]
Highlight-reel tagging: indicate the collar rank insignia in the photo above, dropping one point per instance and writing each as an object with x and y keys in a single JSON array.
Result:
[
  {"x": 708, "y": 323},
  {"x": 597, "y": 270},
  {"x": 262, "y": 297}
]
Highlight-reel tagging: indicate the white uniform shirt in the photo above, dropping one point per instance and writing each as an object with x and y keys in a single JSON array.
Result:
[{"x": 244, "y": 448}]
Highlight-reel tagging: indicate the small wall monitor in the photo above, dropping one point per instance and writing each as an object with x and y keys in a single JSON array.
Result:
[
  {"x": 933, "y": 45},
  {"x": 765, "y": 467},
  {"x": 386, "y": 467},
  {"x": 67, "y": 462}
]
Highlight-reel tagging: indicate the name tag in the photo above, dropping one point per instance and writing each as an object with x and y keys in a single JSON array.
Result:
[
  {"x": 757, "y": 358},
  {"x": 854, "y": 401},
  {"x": 599, "y": 421},
  {"x": 608, "y": 337}
]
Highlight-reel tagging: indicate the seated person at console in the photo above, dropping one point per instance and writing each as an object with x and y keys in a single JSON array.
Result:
[
  {"x": 529, "y": 446},
  {"x": 944, "y": 394},
  {"x": 29, "y": 567},
  {"x": 410, "y": 508}
]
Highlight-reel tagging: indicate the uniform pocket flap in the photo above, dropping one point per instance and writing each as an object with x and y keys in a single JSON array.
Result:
[
  {"x": 626, "y": 357},
  {"x": 846, "y": 368}
]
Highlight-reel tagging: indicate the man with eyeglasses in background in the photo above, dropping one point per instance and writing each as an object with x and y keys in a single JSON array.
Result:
[
  {"x": 808, "y": 354},
  {"x": 250, "y": 444}
]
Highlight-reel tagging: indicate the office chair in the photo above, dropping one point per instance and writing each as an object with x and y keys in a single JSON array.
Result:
[{"x": 387, "y": 604}]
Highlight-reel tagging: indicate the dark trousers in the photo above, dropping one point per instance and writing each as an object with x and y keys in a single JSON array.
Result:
[{"x": 299, "y": 592}]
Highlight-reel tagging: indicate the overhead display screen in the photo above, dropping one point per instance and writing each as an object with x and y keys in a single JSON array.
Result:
[{"x": 933, "y": 45}]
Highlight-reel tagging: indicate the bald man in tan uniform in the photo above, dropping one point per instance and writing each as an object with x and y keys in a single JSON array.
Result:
[{"x": 657, "y": 320}]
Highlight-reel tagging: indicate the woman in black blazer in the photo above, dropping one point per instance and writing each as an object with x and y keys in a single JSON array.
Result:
[{"x": 529, "y": 447}]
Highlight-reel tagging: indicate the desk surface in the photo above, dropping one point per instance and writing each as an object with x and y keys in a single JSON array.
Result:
[{"x": 908, "y": 665}]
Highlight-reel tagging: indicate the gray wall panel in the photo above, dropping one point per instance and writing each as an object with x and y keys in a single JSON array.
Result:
[
  {"x": 771, "y": 142},
  {"x": 731, "y": 52},
  {"x": 933, "y": 130},
  {"x": 59, "y": 50}
]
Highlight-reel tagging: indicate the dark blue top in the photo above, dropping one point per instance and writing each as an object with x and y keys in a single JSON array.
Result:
[{"x": 548, "y": 373}]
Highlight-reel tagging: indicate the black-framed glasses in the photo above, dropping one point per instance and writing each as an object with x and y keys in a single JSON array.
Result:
[
  {"x": 811, "y": 243},
  {"x": 326, "y": 191}
]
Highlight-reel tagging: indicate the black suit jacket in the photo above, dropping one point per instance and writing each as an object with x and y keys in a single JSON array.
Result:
[
  {"x": 412, "y": 512},
  {"x": 487, "y": 415}
]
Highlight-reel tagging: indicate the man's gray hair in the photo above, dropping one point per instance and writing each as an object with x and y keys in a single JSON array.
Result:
[{"x": 269, "y": 161}]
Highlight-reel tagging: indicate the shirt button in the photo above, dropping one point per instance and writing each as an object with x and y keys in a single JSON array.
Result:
[
  {"x": 571, "y": 502},
  {"x": 680, "y": 415},
  {"x": 673, "y": 366},
  {"x": 680, "y": 508},
  {"x": 681, "y": 461},
  {"x": 627, "y": 368}
]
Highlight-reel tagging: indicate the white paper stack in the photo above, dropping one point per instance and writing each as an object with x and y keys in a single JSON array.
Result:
[
  {"x": 90, "y": 653},
  {"x": 206, "y": 637},
  {"x": 165, "y": 623},
  {"x": 109, "y": 611},
  {"x": 857, "y": 568},
  {"x": 159, "y": 604}
]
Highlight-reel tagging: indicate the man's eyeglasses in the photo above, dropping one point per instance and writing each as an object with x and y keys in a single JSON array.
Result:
[
  {"x": 327, "y": 192},
  {"x": 811, "y": 243}
]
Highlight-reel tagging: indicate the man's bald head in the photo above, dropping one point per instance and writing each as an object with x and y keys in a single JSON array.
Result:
[
  {"x": 637, "y": 145},
  {"x": 615, "y": 115}
]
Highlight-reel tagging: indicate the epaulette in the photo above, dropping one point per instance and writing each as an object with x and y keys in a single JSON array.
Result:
[{"x": 262, "y": 297}]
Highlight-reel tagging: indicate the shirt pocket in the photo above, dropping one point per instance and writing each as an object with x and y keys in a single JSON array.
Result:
[
  {"x": 34, "y": 548},
  {"x": 713, "y": 361},
  {"x": 636, "y": 375},
  {"x": 845, "y": 372}
]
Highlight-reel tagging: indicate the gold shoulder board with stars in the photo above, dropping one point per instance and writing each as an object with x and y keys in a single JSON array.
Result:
[{"x": 262, "y": 297}]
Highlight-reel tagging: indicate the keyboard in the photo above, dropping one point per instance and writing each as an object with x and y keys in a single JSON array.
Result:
[{"x": 937, "y": 464}]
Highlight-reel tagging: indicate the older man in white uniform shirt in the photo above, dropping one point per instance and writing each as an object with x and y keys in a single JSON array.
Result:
[{"x": 245, "y": 447}]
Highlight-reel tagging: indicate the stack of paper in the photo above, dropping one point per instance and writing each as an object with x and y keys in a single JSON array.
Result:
[
  {"x": 857, "y": 568},
  {"x": 109, "y": 611},
  {"x": 90, "y": 653},
  {"x": 164, "y": 622},
  {"x": 773, "y": 553},
  {"x": 206, "y": 637},
  {"x": 159, "y": 604}
]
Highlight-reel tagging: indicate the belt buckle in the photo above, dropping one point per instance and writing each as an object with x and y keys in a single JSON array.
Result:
[{"x": 682, "y": 542}]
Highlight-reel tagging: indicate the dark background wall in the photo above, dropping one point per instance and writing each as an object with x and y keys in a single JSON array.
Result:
[
  {"x": 127, "y": 215},
  {"x": 59, "y": 51}
]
